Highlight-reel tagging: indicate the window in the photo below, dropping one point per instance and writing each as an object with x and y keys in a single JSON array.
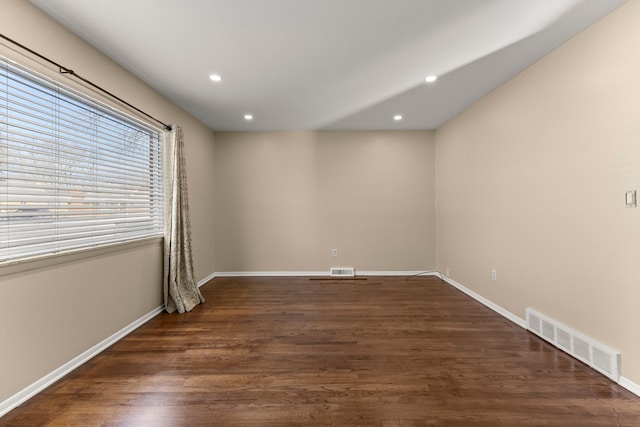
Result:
[{"x": 73, "y": 173}]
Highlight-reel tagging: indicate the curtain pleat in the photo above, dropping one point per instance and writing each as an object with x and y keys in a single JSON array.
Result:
[{"x": 181, "y": 291}]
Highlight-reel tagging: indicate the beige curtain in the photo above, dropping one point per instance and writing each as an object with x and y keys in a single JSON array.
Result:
[{"x": 181, "y": 291}]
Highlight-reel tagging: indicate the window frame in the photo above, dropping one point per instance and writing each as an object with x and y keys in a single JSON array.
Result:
[{"x": 103, "y": 111}]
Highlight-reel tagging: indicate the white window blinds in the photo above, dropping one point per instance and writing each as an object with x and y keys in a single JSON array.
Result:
[{"x": 73, "y": 173}]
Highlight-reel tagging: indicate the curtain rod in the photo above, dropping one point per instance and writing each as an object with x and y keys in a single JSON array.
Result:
[{"x": 64, "y": 70}]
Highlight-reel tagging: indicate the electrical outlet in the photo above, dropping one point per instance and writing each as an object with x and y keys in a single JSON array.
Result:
[
  {"x": 334, "y": 252},
  {"x": 494, "y": 275}
]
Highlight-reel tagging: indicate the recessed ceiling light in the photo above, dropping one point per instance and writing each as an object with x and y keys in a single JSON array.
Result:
[
  {"x": 397, "y": 117},
  {"x": 215, "y": 77},
  {"x": 430, "y": 79},
  {"x": 248, "y": 117}
]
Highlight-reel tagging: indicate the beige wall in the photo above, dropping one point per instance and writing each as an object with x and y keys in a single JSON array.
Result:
[
  {"x": 285, "y": 199},
  {"x": 52, "y": 314},
  {"x": 531, "y": 182}
]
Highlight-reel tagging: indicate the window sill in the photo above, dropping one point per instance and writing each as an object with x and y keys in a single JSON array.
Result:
[{"x": 28, "y": 264}]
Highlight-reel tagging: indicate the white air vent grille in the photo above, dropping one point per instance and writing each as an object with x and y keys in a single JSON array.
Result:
[
  {"x": 595, "y": 354},
  {"x": 581, "y": 349},
  {"x": 563, "y": 338},
  {"x": 548, "y": 330},
  {"x": 603, "y": 360},
  {"x": 534, "y": 323},
  {"x": 342, "y": 272}
]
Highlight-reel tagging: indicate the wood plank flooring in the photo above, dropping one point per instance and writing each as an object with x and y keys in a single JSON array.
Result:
[{"x": 294, "y": 351}]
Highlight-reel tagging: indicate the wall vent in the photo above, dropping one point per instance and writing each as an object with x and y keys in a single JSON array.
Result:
[
  {"x": 342, "y": 272},
  {"x": 598, "y": 356},
  {"x": 563, "y": 339}
]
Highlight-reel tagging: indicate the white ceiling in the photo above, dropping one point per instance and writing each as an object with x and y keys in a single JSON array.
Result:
[{"x": 325, "y": 64}]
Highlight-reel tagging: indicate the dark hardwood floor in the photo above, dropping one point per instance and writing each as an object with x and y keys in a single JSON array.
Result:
[{"x": 294, "y": 351}]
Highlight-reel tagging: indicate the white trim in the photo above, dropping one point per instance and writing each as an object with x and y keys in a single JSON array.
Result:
[
  {"x": 630, "y": 385},
  {"x": 44, "y": 382},
  {"x": 399, "y": 273},
  {"x": 207, "y": 279},
  {"x": 493, "y": 306},
  {"x": 319, "y": 273},
  {"x": 270, "y": 273}
]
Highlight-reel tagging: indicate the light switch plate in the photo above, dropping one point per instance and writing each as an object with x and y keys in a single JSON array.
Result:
[{"x": 631, "y": 199}]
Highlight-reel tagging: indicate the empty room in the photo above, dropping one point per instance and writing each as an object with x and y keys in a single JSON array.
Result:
[{"x": 319, "y": 212}]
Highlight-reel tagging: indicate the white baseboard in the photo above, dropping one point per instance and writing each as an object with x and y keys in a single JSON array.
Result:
[
  {"x": 207, "y": 279},
  {"x": 318, "y": 273},
  {"x": 399, "y": 273},
  {"x": 630, "y": 385},
  {"x": 44, "y": 382},
  {"x": 493, "y": 306},
  {"x": 270, "y": 273}
]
